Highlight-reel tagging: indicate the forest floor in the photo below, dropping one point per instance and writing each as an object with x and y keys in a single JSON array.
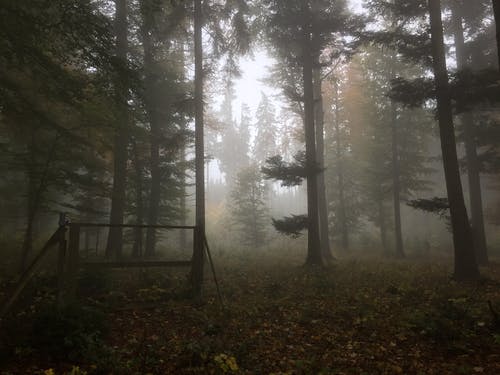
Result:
[{"x": 353, "y": 317}]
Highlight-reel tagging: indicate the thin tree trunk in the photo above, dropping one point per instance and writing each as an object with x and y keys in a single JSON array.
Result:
[
  {"x": 198, "y": 253},
  {"x": 313, "y": 245},
  {"x": 155, "y": 128},
  {"x": 28, "y": 240},
  {"x": 465, "y": 259},
  {"x": 183, "y": 208},
  {"x": 87, "y": 241},
  {"x": 35, "y": 194},
  {"x": 139, "y": 206},
  {"x": 154, "y": 195},
  {"x": 496, "y": 12},
  {"x": 208, "y": 173},
  {"x": 340, "y": 172},
  {"x": 31, "y": 211},
  {"x": 396, "y": 183},
  {"x": 115, "y": 237},
  {"x": 383, "y": 229},
  {"x": 97, "y": 235},
  {"x": 475, "y": 195},
  {"x": 254, "y": 219},
  {"x": 320, "y": 156}
]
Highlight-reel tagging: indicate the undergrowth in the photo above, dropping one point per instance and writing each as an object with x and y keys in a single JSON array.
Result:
[{"x": 353, "y": 317}]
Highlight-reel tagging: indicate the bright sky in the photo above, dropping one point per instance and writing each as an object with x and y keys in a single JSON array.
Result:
[
  {"x": 250, "y": 86},
  {"x": 254, "y": 70}
]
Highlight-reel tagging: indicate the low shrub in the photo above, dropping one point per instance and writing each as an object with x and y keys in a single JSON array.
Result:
[{"x": 69, "y": 333}]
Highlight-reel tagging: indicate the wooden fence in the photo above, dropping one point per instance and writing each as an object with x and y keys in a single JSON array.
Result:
[{"x": 69, "y": 261}]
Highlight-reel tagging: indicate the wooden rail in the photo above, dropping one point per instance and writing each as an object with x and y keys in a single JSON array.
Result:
[
  {"x": 145, "y": 226},
  {"x": 26, "y": 276},
  {"x": 69, "y": 262},
  {"x": 138, "y": 263}
]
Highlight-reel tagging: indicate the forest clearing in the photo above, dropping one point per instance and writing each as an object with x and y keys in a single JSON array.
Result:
[
  {"x": 365, "y": 316},
  {"x": 249, "y": 186}
]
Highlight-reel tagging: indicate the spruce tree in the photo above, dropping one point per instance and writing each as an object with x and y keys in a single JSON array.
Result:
[
  {"x": 248, "y": 207},
  {"x": 465, "y": 260},
  {"x": 266, "y": 127},
  {"x": 310, "y": 26}
]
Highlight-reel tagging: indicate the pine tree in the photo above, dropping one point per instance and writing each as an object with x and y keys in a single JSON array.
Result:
[
  {"x": 265, "y": 125},
  {"x": 472, "y": 160},
  {"x": 342, "y": 168},
  {"x": 310, "y": 26},
  {"x": 248, "y": 208},
  {"x": 230, "y": 156},
  {"x": 50, "y": 104},
  {"x": 429, "y": 49},
  {"x": 161, "y": 33},
  {"x": 244, "y": 135},
  {"x": 465, "y": 260},
  {"x": 120, "y": 156}
]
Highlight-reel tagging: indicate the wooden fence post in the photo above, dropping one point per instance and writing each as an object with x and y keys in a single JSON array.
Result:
[
  {"x": 197, "y": 261},
  {"x": 61, "y": 268},
  {"x": 73, "y": 261}
]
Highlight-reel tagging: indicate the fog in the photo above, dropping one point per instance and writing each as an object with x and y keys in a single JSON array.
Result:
[{"x": 249, "y": 186}]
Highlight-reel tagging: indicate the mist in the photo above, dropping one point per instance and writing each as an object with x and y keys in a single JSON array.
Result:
[{"x": 249, "y": 186}]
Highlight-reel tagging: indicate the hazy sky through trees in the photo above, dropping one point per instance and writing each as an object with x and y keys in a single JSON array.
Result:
[{"x": 255, "y": 69}]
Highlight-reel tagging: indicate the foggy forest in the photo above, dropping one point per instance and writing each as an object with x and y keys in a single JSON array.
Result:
[{"x": 249, "y": 187}]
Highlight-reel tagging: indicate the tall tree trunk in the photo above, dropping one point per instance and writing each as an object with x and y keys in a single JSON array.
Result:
[
  {"x": 465, "y": 259},
  {"x": 255, "y": 219},
  {"x": 340, "y": 173},
  {"x": 180, "y": 47},
  {"x": 313, "y": 243},
  {"x": 496, "y": 12},
  {"x": 475, "y": 195},
  {"x": 396, "y": 183},
  {"x": 320, "y": 156},
  {"x": 35, "y": 193},
  {"x": 155, "y": 192},
  {"x": 115, "y": 237},
  {"x": 155, "y": 127},
  {"x": 31, "y": 209},
  {"x": 183, "y": 208},
  {"x": 28, "y": 235},
  {"x": 198, "y": 248},
  {"x": 383, "y": 228},
  {"x": 139, "y": 206}
]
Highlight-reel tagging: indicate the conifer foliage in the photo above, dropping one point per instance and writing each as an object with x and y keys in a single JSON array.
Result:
[{"x": 248, "y": 206}]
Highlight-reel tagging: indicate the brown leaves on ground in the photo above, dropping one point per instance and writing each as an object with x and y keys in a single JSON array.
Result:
[{"x": 356, "y": 317}]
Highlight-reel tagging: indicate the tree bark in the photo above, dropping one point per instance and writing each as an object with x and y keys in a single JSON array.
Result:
[
  {"x": 320, "y": 156},
  {"x": 340, "y": 173},
  {"x": 473, "y": 174},
  {"x": 396, "y": 184},
  {"x": 31, "y": 209},
  {"x": 183, "y": 208},
  {"x": 155, "y": 129},
  {"x": 383, "y": 229},
  {"x": 313, "y": 242},
  {"x": 28, "y": 238},
  {"x": 182, "y": 202},
  {"x": 496, "y": 12},
  {"x": 115, "y": 237},
  {"x": 198, "y": 251},
  {"x": 35, "y": 193},
  {"x": 139, "y": 206},
  {"x": 465, "y": 260}
]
